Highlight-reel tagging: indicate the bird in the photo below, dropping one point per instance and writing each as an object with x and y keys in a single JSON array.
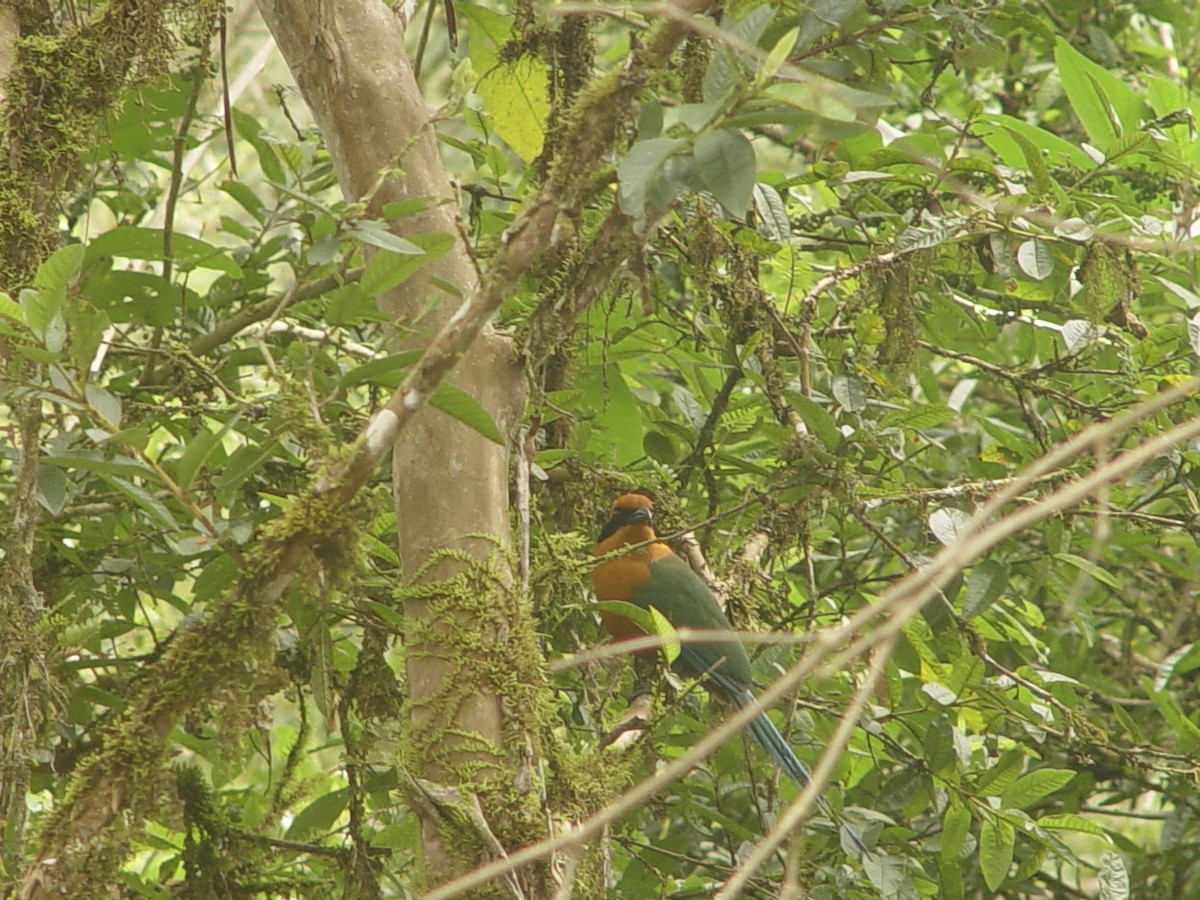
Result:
[{"x": 650, "y": 574}]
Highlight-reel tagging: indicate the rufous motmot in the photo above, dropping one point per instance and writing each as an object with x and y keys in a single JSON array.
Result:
[{"x": 651, "y": 575}]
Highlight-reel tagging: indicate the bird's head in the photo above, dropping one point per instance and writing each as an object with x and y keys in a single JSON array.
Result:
[{"x": 631, "y": 522}]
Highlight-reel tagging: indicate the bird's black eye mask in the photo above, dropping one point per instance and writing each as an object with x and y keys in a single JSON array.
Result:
[{"x": 622, "y": 517}]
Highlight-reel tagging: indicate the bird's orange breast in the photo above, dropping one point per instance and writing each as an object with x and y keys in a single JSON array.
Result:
[{"x": 619, "y": 579}]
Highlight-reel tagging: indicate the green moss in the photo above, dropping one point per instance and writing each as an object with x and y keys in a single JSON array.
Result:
[
  {"x": 320, "y": 519},
  {"x": 219, "y": 660},
  {"x": 890, "y": 296},
  {"x": 59, "y": 88},
  {"x": 217, "y": 858},
  {"x": 225, "y": 658},
  {"x": 479, "y": 625},
  {"x": 696, "y": 53},
  {"x": 1110, "y": 282}
]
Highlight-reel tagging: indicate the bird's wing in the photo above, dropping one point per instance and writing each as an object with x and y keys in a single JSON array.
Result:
[{"x": 686, "y": 602}]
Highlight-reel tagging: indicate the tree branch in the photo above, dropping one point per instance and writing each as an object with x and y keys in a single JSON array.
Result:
[
  {"x": 887, "y": 617},
  {"x": 214, "y": 653}
]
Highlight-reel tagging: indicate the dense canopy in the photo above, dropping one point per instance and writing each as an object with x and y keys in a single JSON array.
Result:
[{"x": 893, "y": 309}]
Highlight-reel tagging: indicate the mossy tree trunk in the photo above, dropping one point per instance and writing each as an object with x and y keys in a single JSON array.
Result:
[{"x": 451, "y": 484}]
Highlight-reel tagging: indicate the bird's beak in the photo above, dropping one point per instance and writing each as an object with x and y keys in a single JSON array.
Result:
[{"x": 642, "y": 515}]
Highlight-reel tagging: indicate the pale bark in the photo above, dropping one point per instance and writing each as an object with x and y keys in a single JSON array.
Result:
[
  {"x": 451, "y": 485},
  {"x": 349, "y": 60}
]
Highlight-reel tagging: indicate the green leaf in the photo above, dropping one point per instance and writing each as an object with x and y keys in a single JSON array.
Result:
[
  {"x": 947, "y": 523},
  {"x": 245, "y": 197},
  {"x": 1105, "y": 105},
  {"x": 105, "y": 404},
  {"x": 648, "y": 619},
  {"x": 830, "y": 100},
  {"x": 939, "y": 693},
  {"x": 143, "y": 498},
  {"x": 849, "y": 392},
  {"x": 142, "y": 123},
  {"x": 998, "y": 132},
  {"x": 319, "y": 816},
  {"x": 10, "y": 309},
  {"x": 319, "y": 644},
  {"x": 659, "y": 447},
  {"x": 985, "y": 584},
  {"x": 618, "y": 417},
  {"x": 391, "y": 617},
  {"x": 377, "y": 234},
  {"x": 1033, "y": 786},
  {"x": 133, "y": 242},
  {"x": 725, "y": 164},
  {"x": 53, "y": 278},
  {"x": 968, "y": 671},
  {"x": 996, "y": 780},
  {"x": 1070, "y": 822},
  {"x": 251, "y": 130},
  {"x": 664, "y": 629},
  {"x": 94, "y": 463},
  {"x": 772, "y": 217},
  {"x": 386, "y": 269},
  {"x": 1080, "y": 333},
  {"x": 722, "y": 77},
  {"x": 1086, "y": 95},
  {"x": 640, "y": 172},
  {"x": 817, "y": 419},
  {"x": 456, "y": 402},
  {"x": 955, "y": 825},
  {"x": 54, "y": 334},
  {"x": 1129, "y": 145},
  {"x": 140, "y": 297},
  {"x": 198, "y": 450},
  {"x": 351, "y": 305},
  {"x": 650, "y": 120},
  {"x": 548, "y": 459},
  {"x": 52, "y": 485},
  {"x": 950, "y": 880},
  {"x": 40, "y": 309},
  {"x": 638, "y": 615},
  {"x": 1126, "y": 722},
  {"x": 926, "y": 415},
  {"x": 514, "y": 92},
  {"x": 996, "y": 842},
  {"x": 36, "y": 309},
  {"x": 747, "y": 26},
  {"x": 693, "y": 116},
  {"x": 778, "y": 56},
  {"x": 1039, "y": 173},
  {"x": 1187, "y": 732},
  {"x": 387, "y": 371},
  {"x": 938, "y": 745},
  {"x": 1088, "y": 567},
  {"x": 242, "y": 463}
]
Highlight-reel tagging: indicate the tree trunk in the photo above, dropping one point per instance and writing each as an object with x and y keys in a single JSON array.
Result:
[{"x": 451, "y": 484}]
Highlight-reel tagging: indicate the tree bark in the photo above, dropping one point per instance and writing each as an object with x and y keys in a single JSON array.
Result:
[{"x": 451, "y": 484}]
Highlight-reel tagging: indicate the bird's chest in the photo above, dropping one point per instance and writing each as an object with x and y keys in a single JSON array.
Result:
[{"x": 622, "y": 577}]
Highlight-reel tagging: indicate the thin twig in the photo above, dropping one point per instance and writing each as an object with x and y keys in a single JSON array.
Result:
[{"x": 799, "y": 808}]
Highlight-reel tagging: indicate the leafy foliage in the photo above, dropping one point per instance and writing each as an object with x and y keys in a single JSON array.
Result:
[{"x": 884, "y": 256}]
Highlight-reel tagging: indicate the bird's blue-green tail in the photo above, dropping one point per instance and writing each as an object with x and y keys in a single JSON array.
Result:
[{"x": 769, "y": 738}]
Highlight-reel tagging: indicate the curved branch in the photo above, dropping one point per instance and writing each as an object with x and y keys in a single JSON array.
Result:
[
  {"x": 212, "y": 654},
  {"x": 888, "y": 616}
]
